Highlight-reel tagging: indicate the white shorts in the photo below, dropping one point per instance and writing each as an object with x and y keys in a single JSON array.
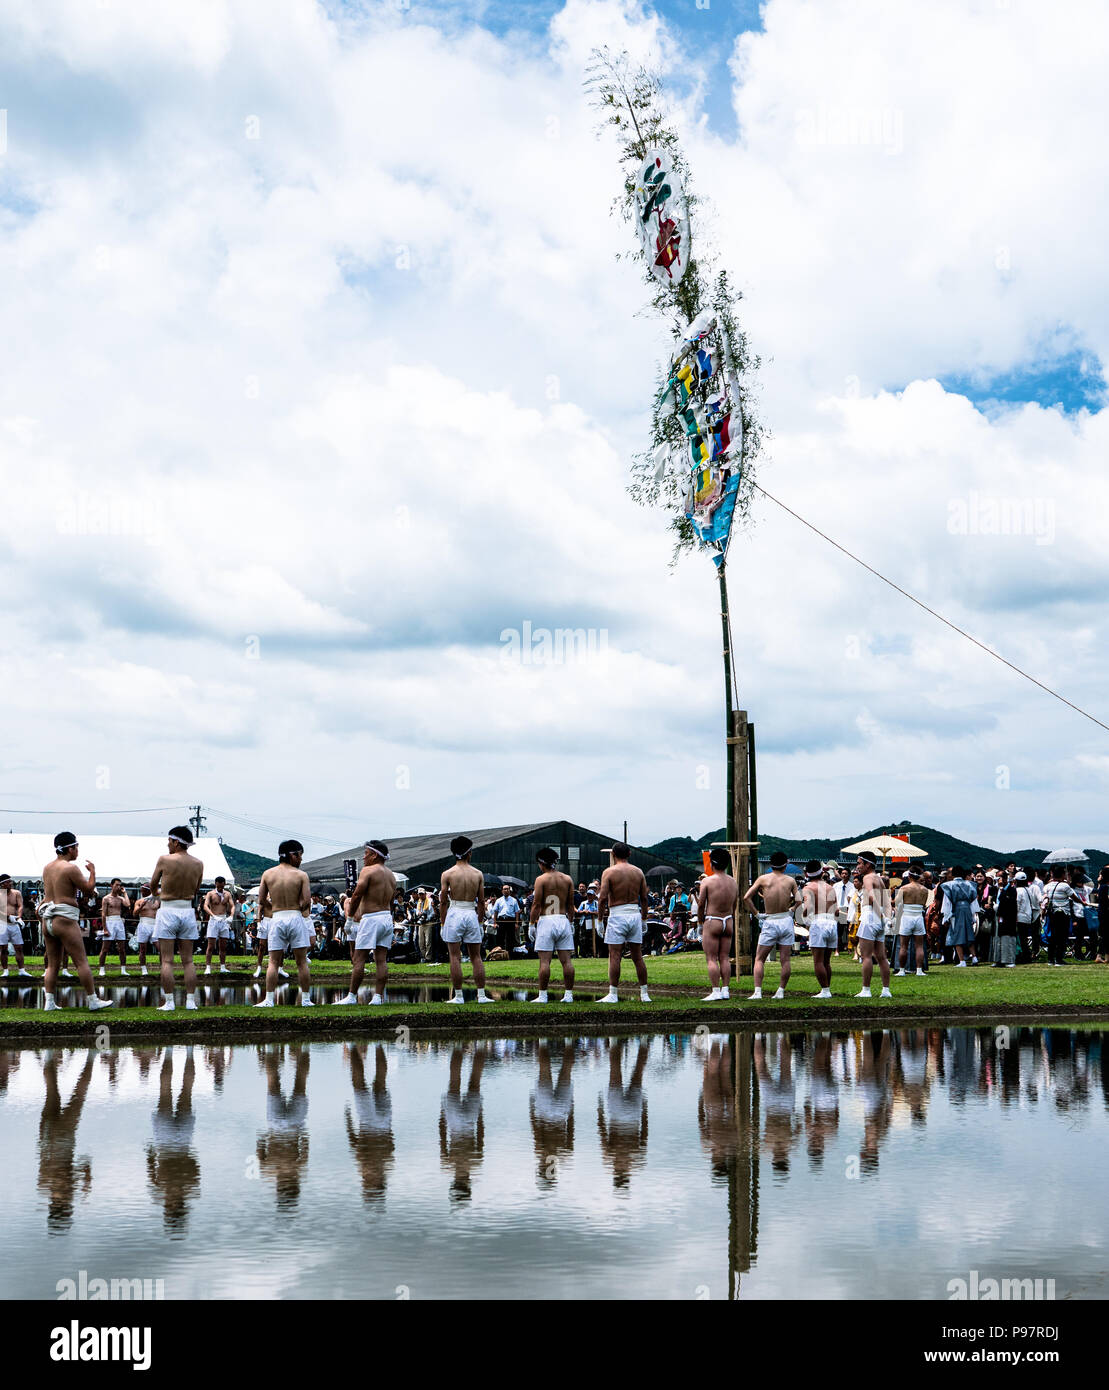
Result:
[
  {"x": 262, "y": 930},
  {"x": 625, "y": 926},
  {"x": 176, "y": 921},
  {"x": 776, "y": 929},
  {"x": 289, "y": 931},
  {"x": 114, "y": 929},
  {"x": 11, "y": 932},
  {"x": 350, "y": 929},
  {"x": 144, "y": 930},
  {"x": 912, "y": 920},
  {"x": 219, "y": 929},
  {"x": 554, "y": 933},
  {"x": 461, "y": 925},
  {"x": 375, "y": 931},
  {"x": 872, "y": 928},
  {"x": 823, "y": 932}
]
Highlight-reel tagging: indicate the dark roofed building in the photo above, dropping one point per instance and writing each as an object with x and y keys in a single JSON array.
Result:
[{"x": 505, "y": 850}]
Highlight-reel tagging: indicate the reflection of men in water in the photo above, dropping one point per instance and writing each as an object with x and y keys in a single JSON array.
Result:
[
  {"x": 461, "y": 1124},
  {"x": 622, "y": 1114},
  {"x": 716, "y": 1110},
  {"x": 9, "y": 1062},
  {"x": 551, "y": 909},
  {"x": 552, "y": 1114},
  {"x": 59, "y": 1169},
  {"x": 371, "y": 1138},
  {"x": 283, "y": 1149},
  {"x": 219, "y": 1061},
  {"x": 716, "y": 902},
  {"x": 913, "y": 1048},
  {"x": 777, "y": 1098},
  {"x": 874, "y": 1088},
  {"x": 822, "y": 1110},
  {"x": 171, "y": 1166}
]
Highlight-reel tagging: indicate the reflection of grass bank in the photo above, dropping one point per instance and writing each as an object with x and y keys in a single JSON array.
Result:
[{"x": 1075, "y": 993}]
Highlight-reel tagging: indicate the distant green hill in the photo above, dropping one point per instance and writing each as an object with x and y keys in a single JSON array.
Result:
[
  {"x": 683, "y": 852},
  {"x": 244, "y": 865}
]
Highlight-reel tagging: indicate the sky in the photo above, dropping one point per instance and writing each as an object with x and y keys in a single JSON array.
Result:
[{"x": 323, "y": 377}]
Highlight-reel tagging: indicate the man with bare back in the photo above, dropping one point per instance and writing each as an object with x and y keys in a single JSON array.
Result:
[
  {"x": 371, "y": 910},
  {"x": 912, "y": 897},
  {"x": 115, "y": 904},
  {"x": 220, "y": 907},
  {"x": 623, "y": 910},
  {"x": 819, "y": 897},
  {"x": 175, "y": 880},
  {"x": 552, "y": 907},
  {"x": 285, "y": 891},
  {"x": 462, "y": 911},
  {"x": 780, "y": 897},
  {"x": 61, "y": 919},
  {"x": 146, "y": 912},
  {"x": 11, "y": 926},
  {"x": 716, "y": 902},
  {"x": 872, "y": 926}
]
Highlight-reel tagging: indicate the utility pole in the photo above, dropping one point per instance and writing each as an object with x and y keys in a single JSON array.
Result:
[{"x": 196, "y": 820}]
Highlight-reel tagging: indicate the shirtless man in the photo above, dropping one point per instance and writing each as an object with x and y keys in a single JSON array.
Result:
[
  {"x": 819, "y": 897},
  {"x": 623, "y": 909},
  {"x": 716, "y": 902},
  {"x": 872, "y": 927},
  {"x": 11, "y": 926},
  {"x": 462, "y": 905},
  {"x": 176, "y": 880},
  {"x": 552, "y": 907},
  {"x": 115, "y": 904},
  {"x": 61, "y": 919},
  {"x": 220, "y": 907},
  {"x": 285, "y": 891},
  {"x": 780, "y": 896},
  {"x": 371, "y": 910},
  {"x": 912, "y": 898},
  {"x": 146, "y": 910}
]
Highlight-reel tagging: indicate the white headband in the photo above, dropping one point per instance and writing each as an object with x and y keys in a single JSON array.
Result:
[
  {"x": 178, "y": 840},
  {"x": 374, "y": 850}
]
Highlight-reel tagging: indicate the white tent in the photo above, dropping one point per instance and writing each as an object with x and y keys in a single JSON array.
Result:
[{"x": 129, "y": 857}]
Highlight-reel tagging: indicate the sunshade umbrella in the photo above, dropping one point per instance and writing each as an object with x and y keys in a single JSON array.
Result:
[
  {"x": 1066, "y": 856},
  {"x": 661, "y": 871},
  {"x": 516, "y": 882},
  {"x": 886, "y": 846},
  {"x": 493, "y": 880}
]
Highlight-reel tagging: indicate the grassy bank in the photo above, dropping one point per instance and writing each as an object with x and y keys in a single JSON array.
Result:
[{"x": 947, "y": 994}]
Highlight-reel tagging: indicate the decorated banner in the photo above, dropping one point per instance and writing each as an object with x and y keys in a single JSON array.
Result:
[
  {"x": 702, "y": 395},
  {"x": 661, "y": 217}
]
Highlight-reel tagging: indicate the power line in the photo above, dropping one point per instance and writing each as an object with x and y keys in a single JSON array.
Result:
[
  {"x": 131, "y": 811},
  {"x": 913, "y": 599}
]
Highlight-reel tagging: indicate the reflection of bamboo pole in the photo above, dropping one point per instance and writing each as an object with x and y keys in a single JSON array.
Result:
[{"x": 743, "y": 1187}]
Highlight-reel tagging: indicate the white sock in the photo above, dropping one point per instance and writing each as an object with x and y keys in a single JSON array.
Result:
[
  {"x": 377, "y": 999},
  {"x": 724, "y": 992},
  {"x": 483, "y": 998},
  {"x": 713, "y": 994},
  {"x": 757, "y": 994},
  {"x": 541, "y": 997},
  {"x": 306, "y": 1000},
  {"x": 568, "y": 997},
  {"x": 885, "y": 993},
  {"x": 779, "y": 993},
  {"x": 644, "y": 997},
  {"x": 95, "y": 1003},
  {"x": 825, "y": 993},
  {"x": 863, "y": 993},
  {"x": 610, "y": 998},
  {"x": 49, "y": 1002},
  {"x": 190, "y": 1001}
]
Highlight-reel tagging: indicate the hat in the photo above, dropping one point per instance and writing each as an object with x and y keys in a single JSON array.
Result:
[{"x": 1020, "y": 877}]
